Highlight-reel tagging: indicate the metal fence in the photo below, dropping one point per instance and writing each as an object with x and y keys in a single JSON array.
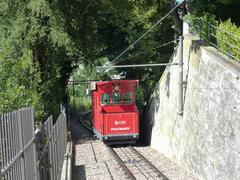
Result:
[
  {"x": 17, "y": 148},
  {"x": 20, "y": 157},
  {"x": 226, "y": 42},
  {"x": 52, "y": 148}
]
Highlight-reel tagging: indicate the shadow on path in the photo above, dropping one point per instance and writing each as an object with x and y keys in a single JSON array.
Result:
[{"x": 79, "y": 136}]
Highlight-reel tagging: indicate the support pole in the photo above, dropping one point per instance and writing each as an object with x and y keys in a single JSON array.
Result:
[
  {"x": 135, "y": 65},
  {"x": 180, "y": 75}
]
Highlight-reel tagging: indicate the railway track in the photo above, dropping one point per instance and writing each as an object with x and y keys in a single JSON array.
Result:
[
  {"x": 136, "y": 165},
  {"x": 86, "y": 120}
]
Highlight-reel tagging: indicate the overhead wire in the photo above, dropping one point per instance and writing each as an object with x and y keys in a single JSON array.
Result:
[
  {"x": 170, "y": 58},
  {"x": 157, "y": 47},
  {"x": 132, "y": 45}
]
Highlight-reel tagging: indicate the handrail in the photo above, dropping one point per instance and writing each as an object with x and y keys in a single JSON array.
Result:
[{"x": 209, "y": 34}]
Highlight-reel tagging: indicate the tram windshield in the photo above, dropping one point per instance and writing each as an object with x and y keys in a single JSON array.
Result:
[
  {"x": 105, "y": 98},
  {"x": 127, "y": 98},
  {"x": 116, "y": 98},
  {"x": 122, "y": 98}
]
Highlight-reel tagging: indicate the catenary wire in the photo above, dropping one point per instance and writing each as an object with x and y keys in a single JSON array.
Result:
[
  {"x": 157, "y": 47},
  {"x": 129, "y": 47}
]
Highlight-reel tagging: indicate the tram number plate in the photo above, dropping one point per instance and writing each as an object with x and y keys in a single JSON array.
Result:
[{"x": 120, "y": 122}]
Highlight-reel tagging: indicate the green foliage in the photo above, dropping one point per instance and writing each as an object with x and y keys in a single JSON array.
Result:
[
  {"x": 80, "y": 103},
  {"x": 223, "y": 36},
  {"x": 36, "y": 56},
  {"x": 42, "y": 42},
  {"x": 226, "y": 35},
  {"x": 201, "y": 25},
  {"x": 17, "y": 88},
  {"x": 221, "y": 9},
  {"x": 118, "y": 24},
  {"x": 140, "y": 98}
]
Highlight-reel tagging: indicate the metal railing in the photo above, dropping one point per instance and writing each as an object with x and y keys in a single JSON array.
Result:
[
  {"x": 224, "y": 41},
  {"x": 17, "y": 148},
  {"x": 25, "y": 155},
  {"x": 53, "y": 143}
]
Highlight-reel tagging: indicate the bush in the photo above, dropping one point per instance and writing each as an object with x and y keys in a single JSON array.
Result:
[
  {"x": 220, "y": 36},
  {"x": 201, "y": 25},
  {"x": 224, "y": 38}
]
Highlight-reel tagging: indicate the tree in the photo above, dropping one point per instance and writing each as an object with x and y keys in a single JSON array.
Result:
[
  {"x": 120, "y": 23},
  {"x": 43, "y": 42},
  {"x": 221, "y": 9},
  {"x": 34, "y": 35}
]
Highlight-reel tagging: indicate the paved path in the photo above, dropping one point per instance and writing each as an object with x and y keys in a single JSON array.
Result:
[{"x": 92, "y": 160}]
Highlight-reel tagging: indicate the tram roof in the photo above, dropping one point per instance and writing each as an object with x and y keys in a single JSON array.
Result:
[{"x": 94, "y": 85}]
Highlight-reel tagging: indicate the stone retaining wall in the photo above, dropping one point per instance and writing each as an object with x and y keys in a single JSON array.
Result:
[{"x": 206, "y": 140}]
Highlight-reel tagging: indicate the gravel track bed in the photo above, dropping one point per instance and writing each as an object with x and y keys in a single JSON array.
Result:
[
  {"x": 93, "y": 160},
  {"x": 96, "y": 162},
  {"x": 165, "y": 165},
  {"x": 137, "y": 165}
]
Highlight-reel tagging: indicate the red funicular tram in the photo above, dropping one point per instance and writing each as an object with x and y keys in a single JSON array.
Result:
[{"x": 114, "y": 111}]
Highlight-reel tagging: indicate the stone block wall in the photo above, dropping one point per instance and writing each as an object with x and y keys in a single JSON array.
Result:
[{"x": 206, "y": 139}]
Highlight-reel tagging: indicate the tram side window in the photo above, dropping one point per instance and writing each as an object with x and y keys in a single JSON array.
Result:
[
  {"x": 105, "y": 98},
  {"x": 115, "y": 98},
  {"x": 127, "y": 97}
]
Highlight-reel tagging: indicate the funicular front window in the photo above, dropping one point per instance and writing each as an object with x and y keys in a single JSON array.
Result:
[
  {"x": 116, "y": 98},
  {"x": 105, "y": 98},
  {"x": 127, "y": 97}
]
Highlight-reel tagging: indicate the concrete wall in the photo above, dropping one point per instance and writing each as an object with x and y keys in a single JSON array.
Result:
[{"x": 206, "y": 140}]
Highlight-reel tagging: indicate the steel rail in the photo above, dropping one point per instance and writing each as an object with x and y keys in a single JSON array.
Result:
[
  {"x": 122, "y": 164},
  {"x": 81, "y": 120},
  {"x": 137, "y": 166},
  {"x": 148, "y": 162}
]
